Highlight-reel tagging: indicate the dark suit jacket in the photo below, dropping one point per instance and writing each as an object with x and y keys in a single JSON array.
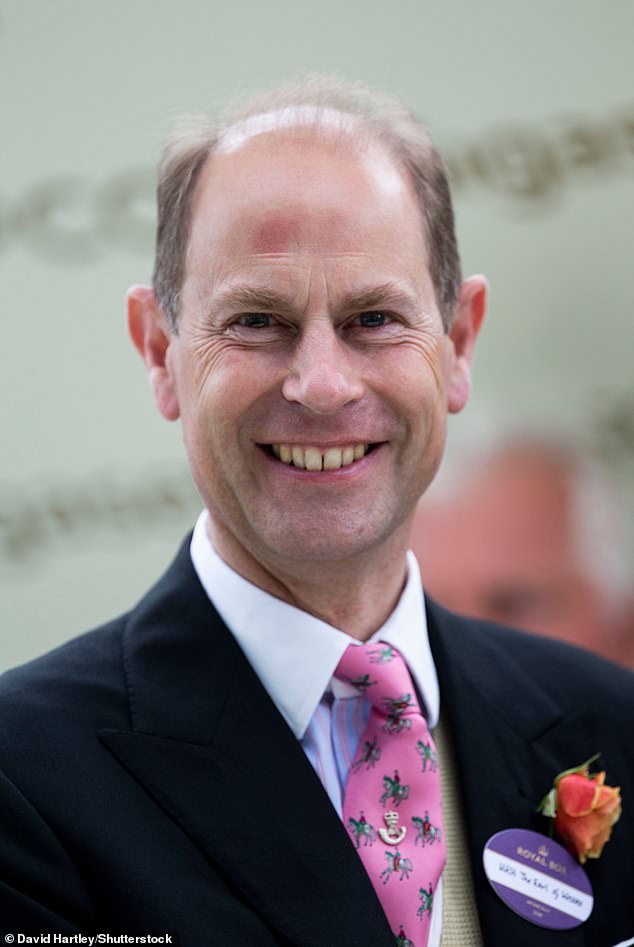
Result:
[{"x": 149, "y": 784}]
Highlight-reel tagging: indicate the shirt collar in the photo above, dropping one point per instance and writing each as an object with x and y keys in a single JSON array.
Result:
[{"x": 295, "y": 654}]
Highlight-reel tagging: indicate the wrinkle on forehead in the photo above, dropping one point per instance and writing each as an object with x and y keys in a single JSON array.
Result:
[{"x": 284, "y": 119}]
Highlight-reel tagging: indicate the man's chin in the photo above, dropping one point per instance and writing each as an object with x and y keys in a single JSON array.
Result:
[{"x": 334, "y": 538}]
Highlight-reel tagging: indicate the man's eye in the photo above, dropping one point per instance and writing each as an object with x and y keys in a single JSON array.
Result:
[
  {"x": 373, "y": 320},
  {"x": 256, "y": 320}
]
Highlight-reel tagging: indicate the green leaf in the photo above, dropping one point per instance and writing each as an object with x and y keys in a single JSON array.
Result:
[
  {"x": 582, "y": 768},
  {"x": 548, "y": 805}
]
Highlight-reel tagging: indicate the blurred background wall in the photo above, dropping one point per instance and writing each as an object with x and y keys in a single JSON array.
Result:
[{"x": 533, "y": 106}]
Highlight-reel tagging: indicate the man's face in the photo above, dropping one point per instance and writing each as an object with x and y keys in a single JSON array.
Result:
[{"x": 309, "y": 331}]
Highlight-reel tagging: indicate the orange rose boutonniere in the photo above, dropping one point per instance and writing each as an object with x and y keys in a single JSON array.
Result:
[{"x": 584, "y": 809}]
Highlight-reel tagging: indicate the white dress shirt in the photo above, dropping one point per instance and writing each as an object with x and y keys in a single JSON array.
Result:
[{"x": 295, "y": 655}]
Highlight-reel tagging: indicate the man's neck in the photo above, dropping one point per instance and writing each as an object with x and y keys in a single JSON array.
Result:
[{"x": 356, "y": 595}]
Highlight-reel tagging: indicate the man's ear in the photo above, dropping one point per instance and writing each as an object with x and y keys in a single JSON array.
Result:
[
  {"x": 463, "y": 333},
  {"x": 151, "y": 335}
]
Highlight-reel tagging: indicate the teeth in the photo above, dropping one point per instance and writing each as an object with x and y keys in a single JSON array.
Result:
[
  {"x": 313, "y": 459},
  {"x": 333, "y": 458}
]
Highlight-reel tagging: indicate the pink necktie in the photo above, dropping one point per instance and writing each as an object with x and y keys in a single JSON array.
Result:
[{"x": 392, "y": 805}]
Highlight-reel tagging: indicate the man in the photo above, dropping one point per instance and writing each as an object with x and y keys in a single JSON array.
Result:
[
  {"x": 184, "y": 768},
  {"x": 531, "y": 527}
]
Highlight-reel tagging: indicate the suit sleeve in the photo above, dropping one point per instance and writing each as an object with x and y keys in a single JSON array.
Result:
[{"x": 40, "y": 887}]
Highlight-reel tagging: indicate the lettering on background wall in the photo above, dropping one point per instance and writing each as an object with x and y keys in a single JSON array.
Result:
[
  {"x": 531, "y": 164},
  {"x": 69, "y": 219},
  {"x": 31, "y": 519}
]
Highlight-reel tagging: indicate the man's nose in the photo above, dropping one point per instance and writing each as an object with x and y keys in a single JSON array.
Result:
[{"x": 322, "y": 375}]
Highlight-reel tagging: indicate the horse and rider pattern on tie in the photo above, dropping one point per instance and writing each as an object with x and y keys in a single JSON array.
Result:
[{"x": 392, "y": 806}]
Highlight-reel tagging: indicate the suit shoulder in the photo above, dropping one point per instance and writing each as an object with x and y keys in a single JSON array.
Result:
[
  {"x": 75, "y": 670},
  {"x": 64, "y": 684}
]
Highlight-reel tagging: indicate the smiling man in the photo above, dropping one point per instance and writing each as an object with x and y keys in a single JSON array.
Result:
[
  {"x": 253, "y": 754},
  {"x": 309, "y": 362}
]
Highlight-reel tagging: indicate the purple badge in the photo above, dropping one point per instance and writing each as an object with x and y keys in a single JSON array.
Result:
[{"x": 538, "y": 879}]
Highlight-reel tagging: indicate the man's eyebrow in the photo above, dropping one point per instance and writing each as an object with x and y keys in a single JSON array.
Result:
[
  {"x": 381, "y": 297},
  {"x": 262, "y": 299},
  {"x": 252, "y": 299}
]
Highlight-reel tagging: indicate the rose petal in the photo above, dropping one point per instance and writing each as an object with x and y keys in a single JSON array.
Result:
[
  {"x": 576, "y": 794},
  {"x": 607, "y": 795},
  {"x": 586, "y": 835}
]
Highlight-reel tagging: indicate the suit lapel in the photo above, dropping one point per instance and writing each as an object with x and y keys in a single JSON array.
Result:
[
  {"x": 510, "y": 738},
  {"x": 212, "y": 750}
]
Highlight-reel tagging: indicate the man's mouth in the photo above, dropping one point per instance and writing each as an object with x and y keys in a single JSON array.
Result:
[{"x": 316, "y": 458}]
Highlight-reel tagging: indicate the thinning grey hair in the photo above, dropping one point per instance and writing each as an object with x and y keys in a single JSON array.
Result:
[{"x": 325, "y": 105}]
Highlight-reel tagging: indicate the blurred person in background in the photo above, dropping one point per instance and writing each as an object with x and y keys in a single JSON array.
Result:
[{"x": 528, "y": 534}]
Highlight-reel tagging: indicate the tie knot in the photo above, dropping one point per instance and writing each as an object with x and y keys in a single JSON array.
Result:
[{"x": 379, "y": 673}]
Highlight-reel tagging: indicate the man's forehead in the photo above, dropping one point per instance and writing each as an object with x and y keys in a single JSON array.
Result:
[
  {"x": 283, "y": 192},
  {"x": 275, "y": 234},
  {"x": 308, "y": 136},
  {"x": 292, "y": 166}
]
